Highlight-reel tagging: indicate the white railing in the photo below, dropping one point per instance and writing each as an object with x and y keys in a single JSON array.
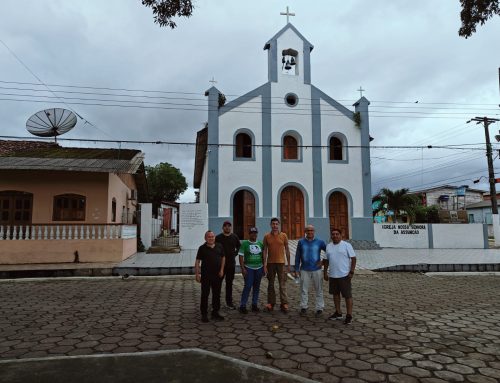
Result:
[{"x": 61, "y": 232}]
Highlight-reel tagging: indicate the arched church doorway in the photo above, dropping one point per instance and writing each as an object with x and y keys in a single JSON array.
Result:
[
  {"x": 292, "y": 212},
  {"x": 243, "y": 213},
  {"x": 339, "y": 214}
]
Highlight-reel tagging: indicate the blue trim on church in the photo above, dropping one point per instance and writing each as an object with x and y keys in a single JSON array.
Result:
[
  {"x": 317, "y": 167},
  {"x": 365, "y": 224},
  {"x": 213, "y": 152}
]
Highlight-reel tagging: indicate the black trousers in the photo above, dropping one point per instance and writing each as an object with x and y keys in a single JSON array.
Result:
[
  {"x": 213, "y": 283},
  {"x": 229, "y": 276}
]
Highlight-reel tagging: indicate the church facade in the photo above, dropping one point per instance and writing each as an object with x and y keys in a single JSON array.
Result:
[{"x": 286, "y": 150}]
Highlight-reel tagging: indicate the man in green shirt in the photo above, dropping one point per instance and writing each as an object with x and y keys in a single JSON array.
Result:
[{"x": 252, "y": 268}]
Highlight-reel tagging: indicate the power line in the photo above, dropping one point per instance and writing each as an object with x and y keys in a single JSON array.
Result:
[
  {"x": 236, "y": 95},
  {"x": 161, "y": 142}
]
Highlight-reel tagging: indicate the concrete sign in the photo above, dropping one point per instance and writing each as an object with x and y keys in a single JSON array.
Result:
[
  {"x": 193, "y": 223},
  {"x": 402, "y": 235}
]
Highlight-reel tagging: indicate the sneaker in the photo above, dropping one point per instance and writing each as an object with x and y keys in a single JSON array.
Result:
[
  {"x": 319, "y": 312},
  {"x": 335, "y": 316},
  {"x": 217, "y": 316},
  {"x": 255, "y": 308},
  {"x": 243, "y": 310},
  {"x": 269, "y": 307},
  {"x": 231, "y": 306},
  {"x": 204, "y": 319},
  {"x": 348, "y": 319},
  {"x": 303, "y": 311},
  {"x": 284, "y": 307}
]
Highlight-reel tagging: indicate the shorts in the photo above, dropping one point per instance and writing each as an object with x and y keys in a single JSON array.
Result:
[{"x": 340, "y": 286}]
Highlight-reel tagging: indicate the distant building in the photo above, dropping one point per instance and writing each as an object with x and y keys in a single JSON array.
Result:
[{"x": 448, "y": 197}]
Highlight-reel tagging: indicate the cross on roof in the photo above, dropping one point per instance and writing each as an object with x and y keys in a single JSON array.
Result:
[
  {"x": 287, "y": 14},
  {"x": 361, "y": 90},
  {"x": 213, "y": 81}
]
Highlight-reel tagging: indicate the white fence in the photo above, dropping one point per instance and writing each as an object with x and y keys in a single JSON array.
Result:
[{"x": 433, "y": 236}]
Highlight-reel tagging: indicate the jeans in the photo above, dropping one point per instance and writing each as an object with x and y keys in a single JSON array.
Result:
[
  {"x": 317, "y": 280},
  {"x": 252, "y": 280}
]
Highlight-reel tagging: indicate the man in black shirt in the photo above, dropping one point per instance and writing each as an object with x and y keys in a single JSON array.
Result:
[
  {"x": 231, "y": 244},
  {"x": 212, "y": 258}
]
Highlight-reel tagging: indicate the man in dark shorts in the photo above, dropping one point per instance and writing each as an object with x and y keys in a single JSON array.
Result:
[
  {"x": 340, "y": 264},
  {"x": 231, "y": 244},
  {"x": 212, "y": 258}
]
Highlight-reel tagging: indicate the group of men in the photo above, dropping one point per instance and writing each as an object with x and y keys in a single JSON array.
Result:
[{"x": 216, "y": 261}]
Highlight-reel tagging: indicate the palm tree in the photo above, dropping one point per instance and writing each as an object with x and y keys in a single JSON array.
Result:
[{"x": 399, "y": 201}]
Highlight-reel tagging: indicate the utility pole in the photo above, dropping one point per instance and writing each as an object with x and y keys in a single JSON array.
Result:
[{"x": 491, "y": 174}]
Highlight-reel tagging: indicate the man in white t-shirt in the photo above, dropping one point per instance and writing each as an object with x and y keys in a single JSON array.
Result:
[{"x": 339, "y": 268}]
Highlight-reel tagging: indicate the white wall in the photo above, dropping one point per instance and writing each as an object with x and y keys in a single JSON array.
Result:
[
  {"x": 458, "y": 236},
  {"x": 416, "y": 236},
  {"x": 193, "y": 223}
]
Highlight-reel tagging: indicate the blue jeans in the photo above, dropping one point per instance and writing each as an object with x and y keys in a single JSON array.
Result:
[{"x": 252, "y": 279}]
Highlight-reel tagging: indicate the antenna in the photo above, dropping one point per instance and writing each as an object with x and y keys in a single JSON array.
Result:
[{"x": 51, "y": 122}]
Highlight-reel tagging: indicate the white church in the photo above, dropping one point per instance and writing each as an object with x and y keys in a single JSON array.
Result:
[{"x": 286, "y": 150}]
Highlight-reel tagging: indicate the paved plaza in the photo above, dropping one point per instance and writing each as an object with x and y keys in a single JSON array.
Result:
[{"x": 408, "y": 327}]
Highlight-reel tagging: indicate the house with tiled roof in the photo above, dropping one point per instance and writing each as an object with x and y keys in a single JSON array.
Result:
[{"x": 60, "y": 204}]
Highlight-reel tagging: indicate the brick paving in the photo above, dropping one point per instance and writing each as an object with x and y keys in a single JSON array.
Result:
[{"x": 407, "y": 327}]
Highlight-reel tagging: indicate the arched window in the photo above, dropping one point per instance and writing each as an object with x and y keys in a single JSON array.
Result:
[
  {"x": 113, "y": 210},
  {"x": 243, "y": 146},
  {"x": 337, "y": 148},
  {"x": 290, "y": 148},
  {"x": 69, "y": 207}
]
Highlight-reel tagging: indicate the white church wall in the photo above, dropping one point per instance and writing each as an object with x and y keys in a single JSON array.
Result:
[
  {"x": 240, "y": 173},
  {"x": 298, "y": 172},
  {"x": 345, "y": 176},
  {"x": 203, "y": 184}
]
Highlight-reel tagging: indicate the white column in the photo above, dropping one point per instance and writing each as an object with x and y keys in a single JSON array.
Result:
[
  {"x": 496, "y": 228},
  {"x": 146, "y": 224}
]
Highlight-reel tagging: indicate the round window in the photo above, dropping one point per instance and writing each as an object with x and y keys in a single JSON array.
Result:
[{"x": 291, "y": 99}]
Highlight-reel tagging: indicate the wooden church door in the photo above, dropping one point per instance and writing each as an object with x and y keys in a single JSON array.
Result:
[
  {"x": 243, "y": 213},
  {"x": 292, "y": 212},
  {"x": 339, "y": 216}
]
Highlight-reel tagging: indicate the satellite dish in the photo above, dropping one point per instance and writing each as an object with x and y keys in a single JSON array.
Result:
[{"x": 51, "y": 122}]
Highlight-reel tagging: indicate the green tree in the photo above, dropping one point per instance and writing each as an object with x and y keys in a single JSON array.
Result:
[
  {"x": 399, "y": 201},
  {"x": 165, "y": 183},
  {"x": 476, "y": 12},
  {"x": 164, "y": 10}
]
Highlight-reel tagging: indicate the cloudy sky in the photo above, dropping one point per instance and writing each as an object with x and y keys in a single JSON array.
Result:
[{"x": 423, "y": 80}]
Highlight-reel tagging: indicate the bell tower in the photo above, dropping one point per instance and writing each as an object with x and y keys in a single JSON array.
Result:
[{"x": 289, "y": 55}]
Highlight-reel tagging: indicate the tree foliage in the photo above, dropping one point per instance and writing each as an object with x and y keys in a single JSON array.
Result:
[
  {"x": 165, "y": 183},
  {"x": 476, "y": 12},
  {"x": 165, "y": 10},
  {"x": 399, "y": 201}
]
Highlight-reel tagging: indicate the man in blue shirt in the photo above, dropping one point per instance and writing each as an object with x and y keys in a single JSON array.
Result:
[{"x": 308, "y": 265}]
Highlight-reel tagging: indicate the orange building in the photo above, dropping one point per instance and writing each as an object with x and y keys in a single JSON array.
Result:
[{"x": 62, "y": 204}]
